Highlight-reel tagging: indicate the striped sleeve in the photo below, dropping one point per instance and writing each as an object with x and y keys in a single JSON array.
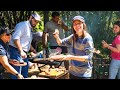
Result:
[
  {"x": 68, "y": 40},
  {"x": 89, "y": 48}
]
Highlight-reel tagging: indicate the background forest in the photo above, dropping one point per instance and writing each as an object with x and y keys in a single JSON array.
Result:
[{"x": 99, "y": 23}]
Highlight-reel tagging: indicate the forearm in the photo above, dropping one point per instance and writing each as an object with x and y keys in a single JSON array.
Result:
[
  {"x": 6, "y": 65},
  {"x": 10, "y": 69},
  {"x": 59, "y": 41},
  {"x": 113, "y": 49},
  {"x": 64, "y": 27},
  {"x": 31, "y": 48},
  {"x": 79, "y": 58},
  {"x": 18, "y": 45},
  {"x": 70, "y": 57}
]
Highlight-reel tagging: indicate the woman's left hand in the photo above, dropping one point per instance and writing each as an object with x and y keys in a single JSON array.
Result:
[{"x": 13, "y": 61}]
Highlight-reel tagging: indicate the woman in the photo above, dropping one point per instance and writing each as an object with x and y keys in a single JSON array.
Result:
[
  {"x": 114, "y": 69},
  {"x": 4, "y": 55},
  {"x": 82, "y": 50}
]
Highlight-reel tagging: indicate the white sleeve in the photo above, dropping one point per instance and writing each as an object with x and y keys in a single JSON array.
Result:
[{"x": 19, "y": 30}]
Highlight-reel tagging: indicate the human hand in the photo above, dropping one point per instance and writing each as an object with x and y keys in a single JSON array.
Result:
[
  {"x": 105, "y": 44},
  {"x": 23, "y": 54},
  {"x": 34, "y": 51},
  {"x": 61, "y": 22},
  {"x": 32, "y": 54},
  {"x": 56, "y": 33},
  {"x": 13, "y": 61},
  {"x": 97, "y": 51},
  {"x": 20, "y": 76}
]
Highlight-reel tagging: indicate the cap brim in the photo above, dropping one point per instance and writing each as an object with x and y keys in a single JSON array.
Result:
[
  {"x": 9, "y": 31},
  {"x": 79, "y": 20},
  {"x": 37, "y": 19}
]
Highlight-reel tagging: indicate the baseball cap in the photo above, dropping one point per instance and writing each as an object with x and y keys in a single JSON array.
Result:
[
  {"x": 36, "y": 16},
  {"x": 78, "y": 18},
  {"x": 5, "y": 30}
]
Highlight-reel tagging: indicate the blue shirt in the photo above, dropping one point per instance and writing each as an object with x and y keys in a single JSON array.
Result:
[
  {"x": 3, "y": 52},
  {"x": 4, "y": 49},
  {"x": 81, "y": 47}
]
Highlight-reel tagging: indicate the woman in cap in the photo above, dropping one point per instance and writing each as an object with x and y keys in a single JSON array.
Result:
[
  {"x": 114, "y": 69},
  {"x": 4, "y": 54},
  {"x": 82, "y": 46}
]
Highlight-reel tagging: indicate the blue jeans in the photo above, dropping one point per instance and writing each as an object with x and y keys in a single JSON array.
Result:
[
  {"x": 114, "y": 69},
  {"x": 15, "y": 54}
]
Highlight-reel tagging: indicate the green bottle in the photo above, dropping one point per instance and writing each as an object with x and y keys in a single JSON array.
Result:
[{"x": 48, "y": 50}]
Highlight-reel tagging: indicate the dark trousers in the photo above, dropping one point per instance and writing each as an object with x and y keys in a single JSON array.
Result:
[
  {"x": 15, "y": 54},
  {"x": 76, "y": 77}
]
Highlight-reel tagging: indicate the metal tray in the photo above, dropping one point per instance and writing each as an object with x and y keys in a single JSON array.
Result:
[{"x": 45, "y": 61}]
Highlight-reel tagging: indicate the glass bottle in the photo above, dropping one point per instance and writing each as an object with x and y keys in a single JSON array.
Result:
[
  {"x": 44, "y": 53},
  {"x": 48, "y": 50}
]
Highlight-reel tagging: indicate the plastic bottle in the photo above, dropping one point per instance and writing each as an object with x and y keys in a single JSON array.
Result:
[{"x": 40, "y": 56}]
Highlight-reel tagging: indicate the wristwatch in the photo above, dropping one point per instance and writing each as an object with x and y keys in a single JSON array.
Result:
[{"x": 17, "y": 74}]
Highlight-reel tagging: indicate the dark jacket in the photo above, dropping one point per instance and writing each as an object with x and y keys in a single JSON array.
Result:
[{"x": 3, "y": 51}]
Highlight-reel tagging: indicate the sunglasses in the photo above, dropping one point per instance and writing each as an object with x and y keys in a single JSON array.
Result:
[{"x": 7, "y": 34}]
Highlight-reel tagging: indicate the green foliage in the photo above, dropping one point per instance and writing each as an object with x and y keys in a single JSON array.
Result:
[
  {"x": 99, "y": 23},
  {"x": 39, "y": 27},
  {"x": 40, "y": 46}
]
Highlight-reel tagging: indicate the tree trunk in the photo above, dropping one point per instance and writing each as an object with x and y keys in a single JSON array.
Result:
[{"x": 46, "y": 16}]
